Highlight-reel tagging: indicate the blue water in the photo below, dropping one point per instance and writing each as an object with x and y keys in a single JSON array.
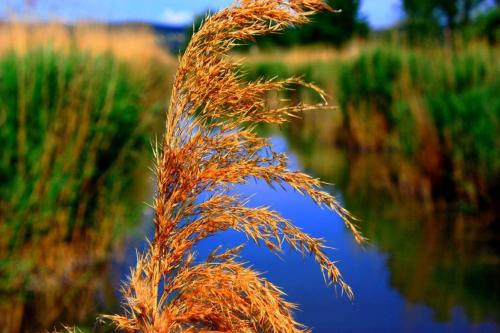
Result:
[{"x": 377, "y": 307}]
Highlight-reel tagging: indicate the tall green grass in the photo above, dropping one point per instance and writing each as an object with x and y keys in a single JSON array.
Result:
[
  {"x": 433, "y": 103},
  {"x": 438, "y": 107},
  {"x": 74, "y": 129}
]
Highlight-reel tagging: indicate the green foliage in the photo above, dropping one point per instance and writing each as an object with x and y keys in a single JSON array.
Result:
[
  {"x": 370, "y": 79},
  {"x": 440, "y": 109},
  {"x": 449, "y": 13},
  {"x": 264, "y": 69},
  {"x": 468, "y": 124},
  {"x": 426, "y": 19},
  {"x": 488, "y": 25},
  {"x": 405, "y": 128},
  {"x": 328, "y": 28},
  {"x": 73, "y": 129},
  {"x": 457, "y": 95}
]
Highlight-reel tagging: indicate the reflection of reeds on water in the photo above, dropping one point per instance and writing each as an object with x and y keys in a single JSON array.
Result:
[
  {"x": 208, "y": 147},
  {"x": 439, "y": 254},
  {"x": 66, "y": 274}
]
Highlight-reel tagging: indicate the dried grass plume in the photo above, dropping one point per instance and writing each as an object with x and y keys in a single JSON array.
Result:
[{"x": 209, "y": 145}]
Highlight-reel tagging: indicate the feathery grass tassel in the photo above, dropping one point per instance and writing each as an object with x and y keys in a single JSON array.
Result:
[{"x": 209, "y": 146}]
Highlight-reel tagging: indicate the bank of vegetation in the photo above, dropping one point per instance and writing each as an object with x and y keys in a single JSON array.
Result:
[
  {"x": 437, "y": 107},
  {"x": 76, "y": 122}
]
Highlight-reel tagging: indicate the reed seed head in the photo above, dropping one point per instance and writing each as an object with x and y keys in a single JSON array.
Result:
[{"x": 209, "y": 146}]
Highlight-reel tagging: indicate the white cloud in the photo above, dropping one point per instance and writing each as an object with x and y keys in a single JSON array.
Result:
[{"x": 176, "y": 17}]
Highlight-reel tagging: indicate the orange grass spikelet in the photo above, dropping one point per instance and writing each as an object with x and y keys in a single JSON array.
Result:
[{"x": 209, "y": 146}]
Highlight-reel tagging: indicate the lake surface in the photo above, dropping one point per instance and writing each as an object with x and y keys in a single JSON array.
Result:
[
  {"x": 394, "y": 280},
  {"x": 420, "y": 272}
]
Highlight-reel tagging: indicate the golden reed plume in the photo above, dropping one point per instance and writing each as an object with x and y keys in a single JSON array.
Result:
[{"x": 209, "y": 146}]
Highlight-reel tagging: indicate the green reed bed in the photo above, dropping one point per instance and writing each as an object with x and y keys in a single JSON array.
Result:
[
  {"x": 439, "y": 107},
  {"x": 73, "y": 130}
]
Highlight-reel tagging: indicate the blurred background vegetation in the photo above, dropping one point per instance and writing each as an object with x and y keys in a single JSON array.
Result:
[
  {"x": 77, "y": 111},
  {"x": 426, "y": 88},
  {"x": 413, "y": 147}
]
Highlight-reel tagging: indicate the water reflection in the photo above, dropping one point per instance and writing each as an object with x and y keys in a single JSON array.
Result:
[
  {"x": 439, "y": 254},
  {"x": 68, "y": 285}
]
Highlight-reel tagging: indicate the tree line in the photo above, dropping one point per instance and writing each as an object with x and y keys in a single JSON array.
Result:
[{"x": 444, "y": 18}]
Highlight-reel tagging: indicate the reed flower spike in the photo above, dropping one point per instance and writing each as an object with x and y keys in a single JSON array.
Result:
[{"x": 209, "y": 146}]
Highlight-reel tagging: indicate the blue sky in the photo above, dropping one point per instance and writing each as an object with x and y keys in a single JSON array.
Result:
[{"x": 380, "y": 13}]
